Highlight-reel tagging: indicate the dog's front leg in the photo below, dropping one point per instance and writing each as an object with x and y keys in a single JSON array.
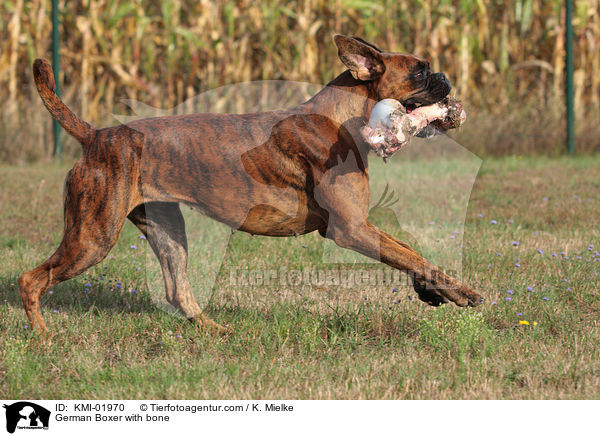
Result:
[
  {"x": 431, "y": 284},
  {"x": 343, "y": 194}
]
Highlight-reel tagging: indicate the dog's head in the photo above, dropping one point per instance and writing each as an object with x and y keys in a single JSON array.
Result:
[{"x": 400, "y": 76}]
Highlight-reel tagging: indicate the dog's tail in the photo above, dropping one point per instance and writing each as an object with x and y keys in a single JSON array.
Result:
[{"x": 44, "y": 80}]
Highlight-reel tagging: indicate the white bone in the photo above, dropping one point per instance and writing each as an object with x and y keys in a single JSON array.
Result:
[{"x": 382, "y": 111}]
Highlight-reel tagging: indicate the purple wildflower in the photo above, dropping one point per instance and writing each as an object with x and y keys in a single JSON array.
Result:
[
  {"x": 88, "y": 285},
  {"x": 519, "y": 314},
  {"x": 142, "y": 237},
  {"x": 510, "y": 291},
  {"x": 540, "y": 251},
  {"x": 508, "y": 299},
  {"x": 529, "y": 288},
  {"x": 545, "y": 298},
  {"x": 494, "y": 222},
  {"x": 515, "y": 243},
  {"x": 133, "y": 247}
]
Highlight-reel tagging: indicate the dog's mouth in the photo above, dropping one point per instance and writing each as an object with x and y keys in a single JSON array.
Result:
[
  {"x": 411, "y": 104},
  {"x": 409, "y": 107},
  {"x": 435, "y": 90}
]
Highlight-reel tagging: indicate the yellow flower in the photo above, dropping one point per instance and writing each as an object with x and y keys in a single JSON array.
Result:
[
  {"x": 526, "y": 323},
  {"x": 534, "y": 323}
]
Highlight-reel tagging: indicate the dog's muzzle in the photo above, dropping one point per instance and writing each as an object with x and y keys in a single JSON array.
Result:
[{"x": 437, "y": 88}]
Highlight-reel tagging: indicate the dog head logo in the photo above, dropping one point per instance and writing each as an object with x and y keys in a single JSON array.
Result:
[{"x": 26, "y": 415}]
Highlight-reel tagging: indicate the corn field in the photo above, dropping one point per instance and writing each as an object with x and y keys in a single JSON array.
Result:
[{"x": 505, "y": 59}]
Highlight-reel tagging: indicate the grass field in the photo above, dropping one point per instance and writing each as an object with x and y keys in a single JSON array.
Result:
[{"x": 530, "y": 223}]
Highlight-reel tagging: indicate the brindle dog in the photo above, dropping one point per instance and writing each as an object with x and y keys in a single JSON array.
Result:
[{"x": 279, "y": 173}]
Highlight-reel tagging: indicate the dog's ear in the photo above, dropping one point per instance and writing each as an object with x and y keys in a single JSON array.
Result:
[
  {"x": 367, "y": 43},
  {"x": 363, "y": 59}
]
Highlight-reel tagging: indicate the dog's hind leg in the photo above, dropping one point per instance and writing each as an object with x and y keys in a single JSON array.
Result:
[
  {"x": 164, "y": 227},
  {"x": 91, "y": 227}
]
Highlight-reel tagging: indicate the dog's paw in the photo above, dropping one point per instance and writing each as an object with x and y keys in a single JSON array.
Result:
[
  {"x": 454, "y": 292},
  {"x": 207, "y": 325},
  {"x": 429, "y": 295}
]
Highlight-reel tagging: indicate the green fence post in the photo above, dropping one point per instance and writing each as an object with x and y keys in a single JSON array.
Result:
[
  {"x": 569, "y": 77},
  {"x": 57, "y": 151}
]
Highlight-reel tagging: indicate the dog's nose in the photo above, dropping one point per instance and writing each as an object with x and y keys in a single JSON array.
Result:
[{"x": 441, "y": 77}]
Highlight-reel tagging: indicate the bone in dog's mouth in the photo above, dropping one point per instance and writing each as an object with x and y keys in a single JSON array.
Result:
[{"x": 391, "y": 125}]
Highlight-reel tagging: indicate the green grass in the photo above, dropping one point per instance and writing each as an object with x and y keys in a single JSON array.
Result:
[{"x": 325, "y": 341}]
